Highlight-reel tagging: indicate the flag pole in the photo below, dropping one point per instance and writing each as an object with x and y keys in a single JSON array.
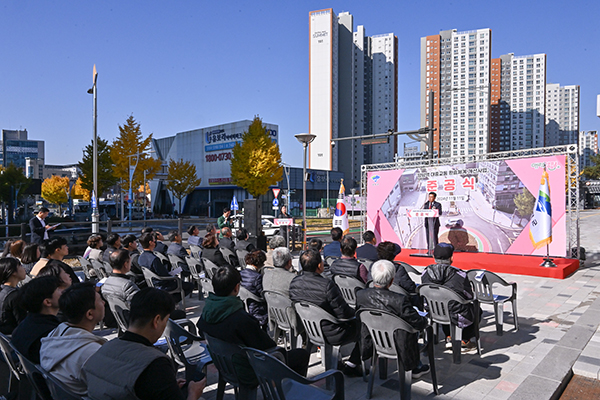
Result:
[{"x": 548, "y": 262}]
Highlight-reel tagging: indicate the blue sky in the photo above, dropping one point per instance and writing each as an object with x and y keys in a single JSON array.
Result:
[{"x": 182, "y": 65}]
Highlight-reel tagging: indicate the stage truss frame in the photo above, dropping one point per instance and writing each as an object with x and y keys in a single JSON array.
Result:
[{"x": 572, "y": 203}]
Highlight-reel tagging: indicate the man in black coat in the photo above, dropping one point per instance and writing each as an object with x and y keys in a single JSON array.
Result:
[
  {"x": 431, "y": 204},
  {"x": 379, "y": 297},
  {"x": 314, "y": 288},
  {"x": 38, "y": 227}
]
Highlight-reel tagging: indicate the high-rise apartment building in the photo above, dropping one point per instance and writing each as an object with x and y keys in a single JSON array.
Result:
[
  {"x": 518, "y": 102},
  {"x": 562, "y": 114},
  {"x": 353, "y": 91},
  {"x": 588, "y": 147},
  {"x": 456, "y": 67}
]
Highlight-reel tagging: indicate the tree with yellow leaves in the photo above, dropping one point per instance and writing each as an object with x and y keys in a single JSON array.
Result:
[
  {"x": 130, "y": 149},
  {"x": 182, "y": 179},
  {"x": 55, "y": 190},
  {"x": 78, "y": 191},
  {"x": 256, "y": 163}
]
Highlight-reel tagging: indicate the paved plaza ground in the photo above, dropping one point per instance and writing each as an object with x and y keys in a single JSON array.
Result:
[{"x": 558, "y": 323}]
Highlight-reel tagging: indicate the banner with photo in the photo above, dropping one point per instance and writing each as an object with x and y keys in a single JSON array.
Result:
[{"x": 486, "y": 205}]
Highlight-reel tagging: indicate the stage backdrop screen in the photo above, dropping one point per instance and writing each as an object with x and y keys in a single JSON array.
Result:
[{"x": 486, "y": 205}]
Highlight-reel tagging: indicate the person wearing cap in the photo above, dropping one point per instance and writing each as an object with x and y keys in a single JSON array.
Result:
[
  {"x": 431, "y": 204},
  {"x": 39, "y": 228},
  {"x": 443, "y": 273}
]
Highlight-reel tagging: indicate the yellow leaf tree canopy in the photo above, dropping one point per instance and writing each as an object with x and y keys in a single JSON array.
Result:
[
  {"x": 182, "y": 179},
  {"x": 78, "y": 192},
  {"x": 55, "y": 189},
  {"x": 127, "y": 149},
  {"x": 256, "y": 163}
]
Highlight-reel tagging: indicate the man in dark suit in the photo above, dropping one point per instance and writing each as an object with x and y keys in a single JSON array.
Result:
[
  {"x": 368, "y": 251},
  {"x": 38, "y": 227},
  {"x": 431, "y": 204}
]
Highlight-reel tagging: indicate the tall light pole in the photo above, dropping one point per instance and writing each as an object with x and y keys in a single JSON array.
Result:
[
  {"x": 95, "y": 214},
  {"x": 131, "y": 172},
  {"x": 305, "y": 139}
]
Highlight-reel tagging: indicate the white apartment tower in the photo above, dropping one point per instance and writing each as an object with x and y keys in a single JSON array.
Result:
[
  {"x": 353, "y": 90},
  {"x": 456, "y": 67},
  {"x": 588, "y": 147},
  {"x": 562, "y": 114}
]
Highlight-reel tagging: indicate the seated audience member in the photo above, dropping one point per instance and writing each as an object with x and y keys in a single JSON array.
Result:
[
  {"x": 31, "y": 255},
  {"x": 160, "y": 246},
  {"x": 57, "y": 250},
  {"x": 443, "y": 273},
  {"x": 380, "y": 298},
  {"x": 211, "y": 252},
  {"x": 16, "y": 249},
  {"x": 315, "y": 244},
  {"x": 348, "y": 265},
  {"x": 6, "y": 251},
  {"x": 41, "y": 261},
  {"x": 194, "y": 238},
  {"x": 94, "y": 251},
  {"x": 148, "y": 260},
  {"x": 66, "y": 349},
  {"x": 314, "y": 288},
  {"x": 130, "y": 244},
  {"x": 242, "y": 241},
  {"x": 118, "y": 284},
  {"x": 57, "y": 269},
  {"x": 40, "y": 299},
  {"x": 225, "y": 239},
  {"x": 252, "y": 280},
  {"x": 224, "y": 317},
  {"x": 130, "y": 366},
  {"x": 50, "y": 249},
  {"x": 368, "y": 251},
  {"x": 176, "y": 248},
  {"x": 113, "y": 242},
  {"x": 278, "y": 279},
  {"x": 11, "y": 310},
  {"x": 333, "y": 249},
  {"x": 275, "y": 242},
  {"x": 387, "y": 251}
]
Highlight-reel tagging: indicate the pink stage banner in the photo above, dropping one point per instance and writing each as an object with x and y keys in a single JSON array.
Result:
[{"x": 486, "y": 205}]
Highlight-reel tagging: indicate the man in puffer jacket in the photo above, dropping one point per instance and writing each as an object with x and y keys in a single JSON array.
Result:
[
  {"x": 443, "y": 273},
  {"x": 67, "y": 348}
]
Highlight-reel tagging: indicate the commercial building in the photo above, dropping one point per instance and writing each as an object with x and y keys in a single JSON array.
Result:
[
  {"x": 562, "y": 114},
  {"x": 353, "y": 91},
  {"x": 210, "y": 150},
  {"x": 456, "y": 67},
  {"x": 15, "y": 147}
]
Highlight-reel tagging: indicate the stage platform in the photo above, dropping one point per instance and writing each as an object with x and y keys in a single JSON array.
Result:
[{"x": 501, "y": 263}]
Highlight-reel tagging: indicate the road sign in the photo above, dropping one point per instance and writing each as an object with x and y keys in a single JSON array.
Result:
[
  {"x": 129, "y": 201},
  {"x": 94, "y": 202},
  {"x": 275, "y": 202},
  {"x": 283, "y": 221},
  {"x": 276, "y": 192},
  {"x": 234, "y": 205}
]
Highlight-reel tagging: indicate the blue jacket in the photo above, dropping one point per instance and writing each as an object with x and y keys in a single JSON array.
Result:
[{"x": 252, "y": 281}]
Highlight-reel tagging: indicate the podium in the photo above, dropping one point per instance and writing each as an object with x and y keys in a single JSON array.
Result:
[{"x": 430, "y": 215}]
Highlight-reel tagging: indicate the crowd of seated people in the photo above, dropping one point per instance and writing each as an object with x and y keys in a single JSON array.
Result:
[{"x": 52, "y": 317}]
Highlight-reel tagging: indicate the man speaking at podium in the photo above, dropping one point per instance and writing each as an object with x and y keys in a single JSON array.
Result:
[{"x": 430, "y": 205}]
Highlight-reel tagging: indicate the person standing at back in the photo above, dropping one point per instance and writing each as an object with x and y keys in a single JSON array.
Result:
[{"x": 39, "y": 228}]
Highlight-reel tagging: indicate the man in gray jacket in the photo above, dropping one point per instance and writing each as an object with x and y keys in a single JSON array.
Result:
[
  {"x": 278, "y": 279},
  {"x": 119, "y": 285},
  {"x": 68, "y": 347}
]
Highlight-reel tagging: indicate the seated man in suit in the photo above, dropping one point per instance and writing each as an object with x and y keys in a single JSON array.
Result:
[
  {"x": 225, "y": 240},
  {"x": 368, "y": 251},
  {"x": 348, "y": 265},
  {"x": 381, "y": 298},
  {"x": 333, "y": 249},
  {"x": 176, "y": 248},
  {"x": 113, "y": 242},
  {"x": 314, "y": 288}
]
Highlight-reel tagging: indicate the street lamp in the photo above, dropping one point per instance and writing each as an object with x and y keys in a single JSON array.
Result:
[
  {"x": 305, "y": 139},
  {"x": 95, "y": 213}
]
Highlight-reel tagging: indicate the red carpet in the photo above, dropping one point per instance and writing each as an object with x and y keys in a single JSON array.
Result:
[{"x": 501, "y": 263}]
